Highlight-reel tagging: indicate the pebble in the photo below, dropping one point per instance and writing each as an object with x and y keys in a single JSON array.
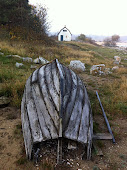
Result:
[
  {"x": 36, "y": 61},
  {"x": 8, "y": 56},
  {"x": 68, "y": 163},
  {"x": 1, "y": 53},
  {"x": 19, "y": 65},
  {"x": 33, "y": 67},
  {"x": 28, "y": 59},
  {"x": 77, "y": 164},
  {"x": 17, "y": 56}
]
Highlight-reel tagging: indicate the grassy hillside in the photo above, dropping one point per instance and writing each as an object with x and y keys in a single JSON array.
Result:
[{"x": 112, "y": 88}]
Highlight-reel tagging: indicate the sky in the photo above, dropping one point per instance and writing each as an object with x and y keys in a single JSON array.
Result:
[{"x": 89, "y": 17}]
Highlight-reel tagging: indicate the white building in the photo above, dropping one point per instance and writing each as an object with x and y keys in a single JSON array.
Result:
[{"x": 64, "y": 34}]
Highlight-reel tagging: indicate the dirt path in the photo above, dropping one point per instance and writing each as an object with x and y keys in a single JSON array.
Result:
[{"x": 9, "y": 145}]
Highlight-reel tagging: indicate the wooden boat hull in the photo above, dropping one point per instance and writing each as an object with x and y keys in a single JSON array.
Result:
[{"x": 42, "y": 103}]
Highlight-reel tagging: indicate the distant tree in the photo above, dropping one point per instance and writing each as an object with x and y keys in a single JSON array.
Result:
[
  {"x": 111, "y": 41},
  {"x": 81, "y": 37},
  {"x": 108, "y": 42},
  {"x": 115, "y": 38},
  {"x": 90, "y": 40},
  {"x": 14, "y": 12},
  {"x": 43, "y": 17},
  {"x": 23, "y": 20}
]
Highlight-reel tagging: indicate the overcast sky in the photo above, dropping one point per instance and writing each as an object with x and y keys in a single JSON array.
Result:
[{"x": 96, "y": 17}]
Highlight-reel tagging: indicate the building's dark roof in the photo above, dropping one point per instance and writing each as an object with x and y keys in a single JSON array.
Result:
[{"x": 65, "y": 28}]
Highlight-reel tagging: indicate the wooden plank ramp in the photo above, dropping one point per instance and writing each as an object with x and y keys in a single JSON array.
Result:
[{"x": 102, "y": 136}]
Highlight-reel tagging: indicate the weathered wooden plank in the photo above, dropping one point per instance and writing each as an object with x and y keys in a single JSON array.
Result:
[
  {"x": 74, "y": 122},
  {"x": 68, "y": 86},
  {"x": 86, "y": 121},
  {"x": 26, "y": 129},
  {"x": 47, "y": 126},
  {"x": 59, "y": 151},
  {"x": 103, "y": 136},
  {"x": 51, "y": 109},
  {"x": 50, "y": 86},
  {"x": 84, "y": 124},
  {"x": 55, "y": 76},
  {"x": 32, "y": 114},
  {"x": 34, "y": 76},
  {"x": 105, "y": 117},
  {"x": 71, "y": 102}
]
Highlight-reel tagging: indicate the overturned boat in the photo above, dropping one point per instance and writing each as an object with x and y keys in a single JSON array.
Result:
[{"x": 55, "y": 105}]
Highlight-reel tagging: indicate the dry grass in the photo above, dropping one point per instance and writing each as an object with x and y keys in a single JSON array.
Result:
[
  {"x": 115, "y": 99},
  {"x": 112, "y": 88},
  {"x": 13, "y": 79},
  {"x": 121, "y": 91},
  {"x": 16, "y": 48},
  {"x": 14, "y": 91},
  {"x": 121, "y": 71}
]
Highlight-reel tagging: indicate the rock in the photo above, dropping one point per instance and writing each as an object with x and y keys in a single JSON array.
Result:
[
  {"x": 117, "y": 58},
  {"x": 43, "y": 61},
  {"x": 36, "y": 61},
  {"x": 19, "y": 65},
  {"x": 97, "y": 69},
  {"x": 33, "y": 67},
  {"x": 8, "y": 56},
  {"x": 115, "y": 68},
  {"x": 28, "y": 59},
  {"x": 1, "y": 53},
  {"x": 116, "y": 62},
  {"x": 77, "y": 65},
  {"x": 17, "y": 56},
  {"x": 107, "y": 71},
  {"x": 4, "y": 101}
]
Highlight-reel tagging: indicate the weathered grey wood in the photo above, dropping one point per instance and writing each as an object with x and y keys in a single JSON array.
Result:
[
  {"x": 34, "y": 76},
  {"x": 70, "y": 99},
  {"x": 55, "y": 107},
  {"x": 84, "y": 125},
  {"x": 32, "y": 114},
  {"x": 102, "y": 136},
  {"x": 55, "y": 76},
  {"x": 50, "y": 86},
  {"x": 26, "y": 128},
  {"x": 72, "y": 130},
  {"x": 46, "y": 128},
  {"x": 51, "y": 109},
  {"x": 59, "y": 151},
  {"x": 47, "y": 125}
]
